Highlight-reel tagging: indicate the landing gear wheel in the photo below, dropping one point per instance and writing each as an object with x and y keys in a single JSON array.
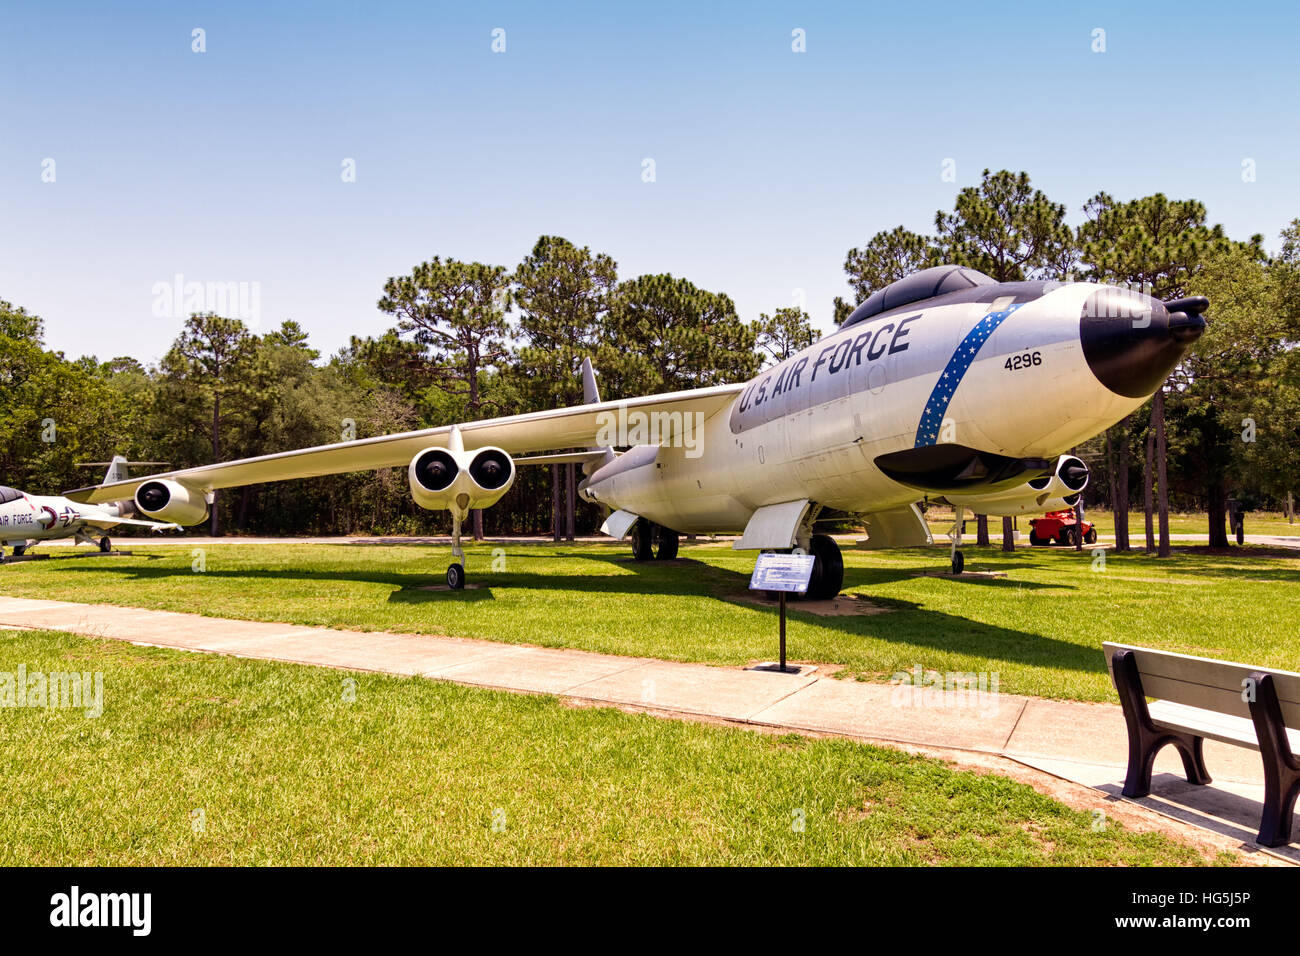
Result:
[
  {"x": 668, "y": 543},
  {"x": 828, "y": 568},
  {"x": 20, "y": 550},
  {"x": 456, "y": 576},
  {"x": 105, "y": 545},
  {"x": 958, "y": 562},
  {"x": 642, "y": 540},
  {"x": 1090, "y": 537}
]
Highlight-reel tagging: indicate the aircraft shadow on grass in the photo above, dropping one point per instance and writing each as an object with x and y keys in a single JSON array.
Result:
[{"x": 909, "y": 622}]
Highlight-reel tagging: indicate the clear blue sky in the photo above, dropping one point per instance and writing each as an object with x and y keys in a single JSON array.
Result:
[{"x": 770, "y": 164}]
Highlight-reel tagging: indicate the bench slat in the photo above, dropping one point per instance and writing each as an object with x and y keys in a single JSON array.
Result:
[
  {"x": 1204, "y": 723},
  {"x": 1206, "y": 683}
]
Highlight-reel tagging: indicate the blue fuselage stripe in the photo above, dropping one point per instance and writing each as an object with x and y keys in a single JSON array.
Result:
[{"x": 927, "y": 431}]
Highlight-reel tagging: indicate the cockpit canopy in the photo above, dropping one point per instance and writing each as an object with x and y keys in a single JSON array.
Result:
[
  {"x": 9, "y": 494},
  {"x": 926, "y": 284}
]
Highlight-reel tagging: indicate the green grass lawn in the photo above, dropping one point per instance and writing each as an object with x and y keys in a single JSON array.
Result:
[
  {"x": 1040, "y": 628},
  {"x": 202, "y": 759}
]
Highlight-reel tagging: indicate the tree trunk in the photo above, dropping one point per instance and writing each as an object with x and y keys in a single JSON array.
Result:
[
  {"x": 1148, "y": 479},
  {"x": 214, "y": 527},
  {"x": 1112, "y": 470},
  {"x": 1162, "y": 472},
  {"x": 1008, "y": 534},
  {"x": 1217, "y": 506},
  {"x": 571, "y": 500},
  {"x": 982, "y": 530},
  {"x": 555, "y": 503},
  {"x": 477, "y": 515},
  {"x": 1122, "y": 491}
]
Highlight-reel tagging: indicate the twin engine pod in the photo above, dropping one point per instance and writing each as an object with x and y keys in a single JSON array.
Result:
[
  {"x": 1051, "y": 492},
  {"x": 165, "y": 500},
  {"x": 459, "y": 480}
]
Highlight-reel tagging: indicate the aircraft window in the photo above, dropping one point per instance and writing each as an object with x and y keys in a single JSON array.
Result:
[
  {"x": 9, "y": 494},
  {"x": 926, "y": 284}
]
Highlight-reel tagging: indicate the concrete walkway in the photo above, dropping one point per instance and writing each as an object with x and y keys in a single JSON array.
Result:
[{"x": 1083, "y": 743}]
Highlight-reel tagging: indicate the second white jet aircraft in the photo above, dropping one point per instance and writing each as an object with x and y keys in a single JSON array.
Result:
[{"x": 27, "y": 520}]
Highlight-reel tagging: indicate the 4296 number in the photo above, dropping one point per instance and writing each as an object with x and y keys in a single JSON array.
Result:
[{"x": 1023, "y": 361}]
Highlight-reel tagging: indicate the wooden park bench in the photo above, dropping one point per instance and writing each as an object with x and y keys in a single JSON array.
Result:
[{"x": 1196, "y": 698}]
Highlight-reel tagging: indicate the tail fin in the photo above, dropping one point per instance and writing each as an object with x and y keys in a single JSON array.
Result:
[
  {"x": 116, "y": 470},
  {"x": 590, "y": 393},
  {"x": 591, "y": 396}
]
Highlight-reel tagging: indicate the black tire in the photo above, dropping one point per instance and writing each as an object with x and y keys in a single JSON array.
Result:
[
  {"x": 1068, "y": 536},
  {"x": 828, "y": 568},
  {"x": 1090, "y": 537},
  {"x": 958, "y": 562},
  {"x": 20, "y": 550},
  {"x": 642, "y": 540},
  {"x": 456, "y": 576},
  {"x": 669, "y": 541},
  {"x": 105, "y": 545},
  {"x": 1036, "y": 541}
]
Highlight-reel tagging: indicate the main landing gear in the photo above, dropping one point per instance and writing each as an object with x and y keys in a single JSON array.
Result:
[
  {"x": 652, "y": 542},
  {"x": 828, "y": 568},
  {"x": 958, "y": 559},
  {"x": 105, "y": 545}
]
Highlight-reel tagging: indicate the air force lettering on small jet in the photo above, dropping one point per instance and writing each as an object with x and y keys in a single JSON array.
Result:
[{"x": 945, "y": 385}]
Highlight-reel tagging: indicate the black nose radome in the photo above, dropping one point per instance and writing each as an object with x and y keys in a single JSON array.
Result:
[{"x": 1132, "y": 341}]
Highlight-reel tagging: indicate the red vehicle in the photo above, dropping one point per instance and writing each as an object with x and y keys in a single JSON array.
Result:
[{"x": 1060, "y": 526}]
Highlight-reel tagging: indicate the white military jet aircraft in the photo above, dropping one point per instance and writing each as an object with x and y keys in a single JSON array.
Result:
[
  {"x": 26, "y": 520},
  {"x": 944, "y": 385}
]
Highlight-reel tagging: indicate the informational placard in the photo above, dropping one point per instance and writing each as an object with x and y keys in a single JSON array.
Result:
[{"x": 782, "y": 572}]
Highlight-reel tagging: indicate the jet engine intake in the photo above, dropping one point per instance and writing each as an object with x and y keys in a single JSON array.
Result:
[
  {"x": 1051, "y": 492},
  {"x": 458, "y": 481},
  {"x": 165, "y": 500}
]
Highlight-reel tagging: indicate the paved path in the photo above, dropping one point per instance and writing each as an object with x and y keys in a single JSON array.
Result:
[{"x": 1085, "y": 743}]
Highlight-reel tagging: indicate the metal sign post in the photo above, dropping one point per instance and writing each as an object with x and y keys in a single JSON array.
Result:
[{"x": 785, "y": 574}]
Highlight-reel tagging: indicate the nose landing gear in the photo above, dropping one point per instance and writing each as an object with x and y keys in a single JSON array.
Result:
[
  {"x": 958, "y": 559},
  {"x": 456, "y": 570}
]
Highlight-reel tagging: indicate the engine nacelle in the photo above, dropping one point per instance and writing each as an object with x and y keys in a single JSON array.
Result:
[
  {"x": 1049, "y": 493},
  {"x": 458, "y": 481},
  {"x": 165, "y": 500}
]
